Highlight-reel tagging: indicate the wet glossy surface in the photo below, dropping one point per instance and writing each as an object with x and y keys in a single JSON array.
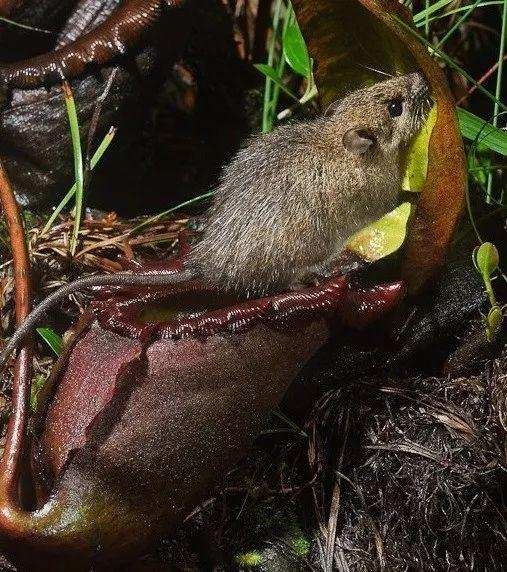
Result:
[{"x": 122, "y": 30}]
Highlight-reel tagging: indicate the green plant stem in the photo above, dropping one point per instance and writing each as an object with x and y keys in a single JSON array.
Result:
[
  {"x": 24, "y": 26},
  {"x": 420, "y": 17},
  {"x": 471, "y": 215},
  {"x": 97, "y": 156},
  {"x": 267, "y": 115},
  {"x": 280, "y": 69},
  {"x": 498, "y": 91},
  {"x": 459, "y": 237},
  {"x": 490, "y": 292},
  {"x": 457, "y": 24},
  {"x": 430, "y": 10},
  {"x": 78, "y": 163},
  {"x": 426, "y": 19},
  {"x": 449, "y": 61},
  {"x": 169, "y": 211},
  {"x": 487, "y": 168}
]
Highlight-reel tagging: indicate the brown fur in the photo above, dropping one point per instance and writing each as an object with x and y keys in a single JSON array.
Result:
[{"x": 289, "y": 200}]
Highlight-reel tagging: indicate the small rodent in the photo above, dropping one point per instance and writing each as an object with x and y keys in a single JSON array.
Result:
[{"x": 289, "y": 200}]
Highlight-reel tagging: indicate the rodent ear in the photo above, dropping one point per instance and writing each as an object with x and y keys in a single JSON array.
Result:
[{"x": 358, "y": 140}]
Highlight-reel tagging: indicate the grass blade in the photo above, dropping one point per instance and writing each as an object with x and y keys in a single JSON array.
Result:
[
  {"x": 427, "y": 19},
  {"x": 24, "y": 26},
  {"x": 420, "y": 22},
  {"x": 289, "y": 14},
  {"x": 52, "y": 339},
  {"x": 171, "y": 210},
  {"x": 78, "y": 163},
  {"x": 498, "y": 91},
  {"x": 272, "y": 74},
  {"x": 267, "y": 111},
  {"x": 97, "y": 156},
  {"x": 457, "y": 24},
  {"x": 449, "y": 61},
  {"x": 429, "y": 10},
  {"x": 486, "y": 134}
]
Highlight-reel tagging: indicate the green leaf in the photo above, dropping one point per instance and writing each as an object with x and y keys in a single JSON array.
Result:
[
  {"x": 295, "y": 50},
  {"x": 417, "y": 156},
  {"x": 35, "y": 388},
  {"x": 479, "y": 166},
  {"x": 486, "y": 135},
  {"x": 431, "y": 10},
  {"x": 383, "y": 237},
  {"x": 93, "y": 163},
  {"x": 486, "y": 259},
  {"x": 53, "y": 340},
  {"x": 268, "y": 71},
  {"x": 494, "y": 321},
  {"x": 78, "y": 162}
]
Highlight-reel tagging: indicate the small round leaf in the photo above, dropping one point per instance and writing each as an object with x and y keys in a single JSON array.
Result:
[
  {"x": 486, "y": 258},
  {"x": 494, "y": 321}
]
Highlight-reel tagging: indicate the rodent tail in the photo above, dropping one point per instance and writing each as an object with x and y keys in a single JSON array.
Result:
[{"x": 119, "y": 279}]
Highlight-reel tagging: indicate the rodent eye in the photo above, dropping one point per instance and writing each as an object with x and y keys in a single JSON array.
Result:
[{"x": 395, "y": 107}]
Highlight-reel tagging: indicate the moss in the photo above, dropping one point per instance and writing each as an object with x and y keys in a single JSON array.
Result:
[
  {"x": 249, "y": 559},
  {"x": 299, "y": 544}
]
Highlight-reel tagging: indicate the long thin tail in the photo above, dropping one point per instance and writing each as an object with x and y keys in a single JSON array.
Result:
[{"x": 119, "y": 279}]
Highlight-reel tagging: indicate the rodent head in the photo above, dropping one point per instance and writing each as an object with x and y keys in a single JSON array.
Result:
[{"x": 386, "y": 115}]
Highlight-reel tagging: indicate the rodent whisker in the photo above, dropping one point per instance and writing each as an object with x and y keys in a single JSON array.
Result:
[{"x": 376, "y": 70}]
